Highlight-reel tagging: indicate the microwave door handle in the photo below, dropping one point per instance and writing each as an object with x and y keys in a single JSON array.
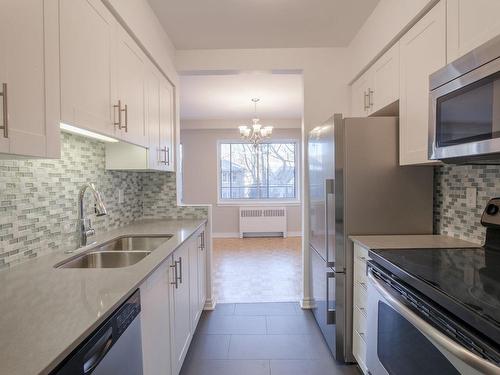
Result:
[
  {"x": 330, "y": 312},
  {"x": 329, "y": 190},
  {"x": 473, "y": 360}
]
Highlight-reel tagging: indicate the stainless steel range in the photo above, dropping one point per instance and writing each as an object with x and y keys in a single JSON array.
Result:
[{"x": 436, "y": 311}]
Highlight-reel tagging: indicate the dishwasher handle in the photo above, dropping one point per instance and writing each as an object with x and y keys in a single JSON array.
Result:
[{"x": 98, "y": 351}]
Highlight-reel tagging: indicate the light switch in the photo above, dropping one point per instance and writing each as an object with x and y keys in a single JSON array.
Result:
[
  {"x": 471, "y": 197},
  {"x": 121, "y": 198}
]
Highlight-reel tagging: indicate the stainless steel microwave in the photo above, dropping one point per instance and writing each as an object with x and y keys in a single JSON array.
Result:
[{"x": 464, "y": 123}]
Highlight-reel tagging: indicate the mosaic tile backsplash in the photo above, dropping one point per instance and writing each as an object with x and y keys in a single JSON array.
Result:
[
  {"x": 452, "y": 217},
  {"x": 38, "y": 199}
]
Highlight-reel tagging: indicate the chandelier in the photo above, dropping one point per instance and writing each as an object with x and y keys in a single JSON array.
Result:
[{"x": 256, "y": 133}]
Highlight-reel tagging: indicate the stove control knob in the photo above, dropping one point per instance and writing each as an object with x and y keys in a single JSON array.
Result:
[{"x": 492, "y": 209}]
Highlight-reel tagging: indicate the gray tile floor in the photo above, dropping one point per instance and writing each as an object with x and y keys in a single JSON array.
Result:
[{"x": 260, "y": 339}]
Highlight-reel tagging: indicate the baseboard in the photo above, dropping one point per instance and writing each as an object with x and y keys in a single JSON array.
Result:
[
  {"x": 209, "y": 304},
  {"x": 237, "y": 234},
  {"x": 306, "y": 304},
  {"x": 226, "y": 235}
]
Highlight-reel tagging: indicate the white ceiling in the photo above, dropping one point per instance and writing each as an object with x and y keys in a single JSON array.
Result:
[
  {"x": 194, "y": 24},
  {"x": 228, "y": 96}
]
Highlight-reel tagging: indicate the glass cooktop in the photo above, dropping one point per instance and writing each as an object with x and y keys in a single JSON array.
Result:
[{"x": 468, "y": 278}]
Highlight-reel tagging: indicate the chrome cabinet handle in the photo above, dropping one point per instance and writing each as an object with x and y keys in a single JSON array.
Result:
[
  {"x": 119, "y": 108},
  {"x": 370, "y": 98},
  {"x": 164, "y": 152},
  {"x": 175, "y": 282},
  {"x": 202, "y": 241},
  {"x": 365, "y": 102},
  {"x": 440, "y": 339},
  {"x": 180, "y": 267},
  {"x": 5, "y": 121},
  {"x": 125, "y": 109},
  {"x": 167, "y": 155}
]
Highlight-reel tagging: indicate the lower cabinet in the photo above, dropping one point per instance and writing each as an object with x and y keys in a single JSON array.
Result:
[
  {"x": 172, "y": 300},
  {"x": 359, "y": 306},
  {"x": 155, "y": 324},
  {"x": 180, "y": 320},
  {"x": 202, "y": 270}
]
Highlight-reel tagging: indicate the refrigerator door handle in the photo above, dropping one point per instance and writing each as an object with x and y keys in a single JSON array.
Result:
[
  {"x": 329, "y": 190},
  {"x": 330, "y": 311}
]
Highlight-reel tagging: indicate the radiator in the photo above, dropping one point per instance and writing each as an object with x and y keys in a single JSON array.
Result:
[{"x": 264, "y": 220}]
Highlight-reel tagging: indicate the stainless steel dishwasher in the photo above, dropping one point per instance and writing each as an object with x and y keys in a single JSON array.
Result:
[{"x": 114, "y": 348}]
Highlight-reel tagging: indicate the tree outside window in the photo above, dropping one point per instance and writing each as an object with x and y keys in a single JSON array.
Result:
[{"x": 265, "y": 172}]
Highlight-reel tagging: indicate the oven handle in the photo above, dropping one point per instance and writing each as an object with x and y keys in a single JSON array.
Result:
[{"x": 473, "y": 360}]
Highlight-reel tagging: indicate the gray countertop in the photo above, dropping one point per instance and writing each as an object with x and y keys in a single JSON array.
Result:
[
  {"x": 410, "y": 241},
  {"x": 46, "y": 312}
]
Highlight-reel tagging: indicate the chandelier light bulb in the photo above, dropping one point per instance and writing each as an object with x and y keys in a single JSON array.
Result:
[{"x": 256, "y": 133}]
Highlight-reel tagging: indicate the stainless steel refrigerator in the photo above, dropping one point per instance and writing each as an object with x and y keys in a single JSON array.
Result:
[{"x": 356, "y": 187}]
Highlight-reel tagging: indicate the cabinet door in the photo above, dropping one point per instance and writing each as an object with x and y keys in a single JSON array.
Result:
[
  {"x": 167, "y": 122},
  {"x": 130, "y": 71},
  {"x": 470, "y": 23},
  {"x": 180, "y": 320},
  {"x": 153, "y": 119},
  {"x": 423, "y": 51},
  {"x": 202, "y": 271},
  {"x": 155, "y": 324},
  {"x": 193, "y": 283},
  {"x": 385, "y": 78},
  {"x": 26, "y": 47},
  {"x": 360, "y": 96},
  {"x": 87, "y": 35}
]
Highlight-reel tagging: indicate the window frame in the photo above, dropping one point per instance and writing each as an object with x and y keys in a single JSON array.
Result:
[{"x": 265, "y": 201}]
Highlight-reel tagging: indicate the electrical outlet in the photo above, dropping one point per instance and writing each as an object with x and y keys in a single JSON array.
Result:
[
  {"x": 121, "y": 198},
  {"x": 471, "y": 197}
]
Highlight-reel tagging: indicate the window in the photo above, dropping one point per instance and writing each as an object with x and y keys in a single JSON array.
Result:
[{"x": 268, "y": 172}]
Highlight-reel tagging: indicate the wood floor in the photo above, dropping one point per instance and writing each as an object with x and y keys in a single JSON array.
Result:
[{"x": 257, "y": 269}]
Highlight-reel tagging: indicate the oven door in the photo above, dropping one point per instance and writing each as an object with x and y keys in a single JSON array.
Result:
[
  {"x": 464, "y": 116},
  {"x": 400, "y": 342}
]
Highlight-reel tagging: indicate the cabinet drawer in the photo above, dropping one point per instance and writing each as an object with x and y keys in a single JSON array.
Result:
[
  {"x": 359, "y": 350},
  {"x": 359, "y": 321},
  {"x": 360, "y": 253},
  {"x": 360, "y": 272},
  {"x": 360, "y": 296}
]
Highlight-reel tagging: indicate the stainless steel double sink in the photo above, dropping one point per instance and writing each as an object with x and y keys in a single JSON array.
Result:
[{"x": 117, "y": 253}]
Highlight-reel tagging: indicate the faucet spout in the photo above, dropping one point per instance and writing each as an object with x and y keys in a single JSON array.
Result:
[{"x": 85, "y": 225}]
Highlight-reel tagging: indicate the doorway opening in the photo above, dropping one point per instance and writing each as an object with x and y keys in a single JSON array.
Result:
[{"x": 261, "y": 262}]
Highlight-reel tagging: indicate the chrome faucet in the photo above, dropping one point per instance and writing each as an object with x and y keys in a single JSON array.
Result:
[{"x": 85, "y": 226}]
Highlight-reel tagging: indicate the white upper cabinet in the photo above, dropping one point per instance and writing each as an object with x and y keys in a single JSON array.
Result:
[
  {"x": 29, "y": 78},
  {"x": 130, "y": 71},
  {"x": 422, "y": 51},
  {"x": 385, "y": 80},
  {"x": 470, "y": 23},
  {"x": 87, "y": 37},
  {"x": 360, "y": 96},
  {"x": 167, "y": 124},
  {"x": 378, "y": 87},
  {"x": 159, "y": 122}
]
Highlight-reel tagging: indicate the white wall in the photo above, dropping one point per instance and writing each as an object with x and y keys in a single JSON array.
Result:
[
  {"x": 325, "y": 76},
  {"x": 388, "y": 21},
  {"x": 291, "y": 123},
  {"x": 200, "y": 175}
]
